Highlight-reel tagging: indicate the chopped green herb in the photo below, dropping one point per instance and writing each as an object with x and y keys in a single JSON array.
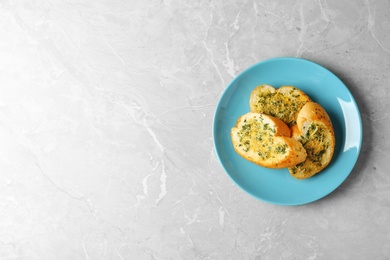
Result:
[{"x": 281, "y": 149}]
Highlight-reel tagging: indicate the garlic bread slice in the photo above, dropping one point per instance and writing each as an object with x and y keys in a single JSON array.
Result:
[
  {"x": 265, "y": 140},
  {"x": 315, "y": 131},
  {"x": 283, "y": 103}
]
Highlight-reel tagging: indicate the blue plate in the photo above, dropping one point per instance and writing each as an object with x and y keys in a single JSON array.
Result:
[{"x": 277, "y": 186}]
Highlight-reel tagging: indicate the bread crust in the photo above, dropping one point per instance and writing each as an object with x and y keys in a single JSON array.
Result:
[
  {"x": 315, "y": 131},
  {"x": 312, "y": 112},
  {"x": 265, "y": 140}
]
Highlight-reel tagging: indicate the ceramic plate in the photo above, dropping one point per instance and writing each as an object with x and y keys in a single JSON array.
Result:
[{"x": 277, "y": 186}]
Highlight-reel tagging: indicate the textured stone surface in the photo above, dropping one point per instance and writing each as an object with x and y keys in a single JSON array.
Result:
[{"x": 106, "y": 148}]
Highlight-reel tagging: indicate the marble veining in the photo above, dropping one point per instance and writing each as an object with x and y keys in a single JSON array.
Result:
[{"x": 106, "y": 148}]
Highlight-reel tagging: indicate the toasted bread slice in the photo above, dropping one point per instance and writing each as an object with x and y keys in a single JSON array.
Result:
[
  {"x": 283, "y": 103},
  {"x": 315, "y": 131},
  {"x": 265, "y": 140}
]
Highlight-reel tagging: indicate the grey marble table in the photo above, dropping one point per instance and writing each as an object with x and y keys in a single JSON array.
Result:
[{"x": 106, "y": 111}]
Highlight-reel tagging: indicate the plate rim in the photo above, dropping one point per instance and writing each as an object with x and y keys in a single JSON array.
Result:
[{"x": 286, "y": 58}]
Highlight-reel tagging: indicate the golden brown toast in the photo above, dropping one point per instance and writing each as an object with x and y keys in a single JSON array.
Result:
[
  {"x": 283, "y": 103},
  {"x": 265, "y": 140},
  {"x": 315, "y": 131}
]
